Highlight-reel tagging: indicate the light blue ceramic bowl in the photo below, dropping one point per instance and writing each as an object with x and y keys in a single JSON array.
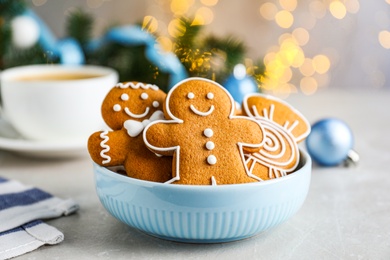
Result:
[{"x": 203, "y": 214}]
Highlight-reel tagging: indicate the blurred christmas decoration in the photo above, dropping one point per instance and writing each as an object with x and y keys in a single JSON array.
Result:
[
  {"x": 330, "y": 143},
  {"x": 132, "y": 50},
  {"x": 13, "y": 50},
  {"x": 239, "y": 83}
]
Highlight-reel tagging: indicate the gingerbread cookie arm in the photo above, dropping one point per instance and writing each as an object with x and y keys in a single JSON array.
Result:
[
  {"x": 152, "y": 137},
  {"x": 107, "y": 148},
  {"x": 251, "y": 133},
  {"x": 164, "y": 146}
]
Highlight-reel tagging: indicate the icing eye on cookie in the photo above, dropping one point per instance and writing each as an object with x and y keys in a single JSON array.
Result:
[
  {"x": 144, "y": 96},
  {"x": 125, "y": 97},
  {"x": 117, "y": 108},
  {"x": 190, "y": 95}
]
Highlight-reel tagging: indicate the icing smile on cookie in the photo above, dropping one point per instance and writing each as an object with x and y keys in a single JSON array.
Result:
[
  {"x": 128, "y": 112},
  {"x": 196, "y": 111},
  {"x": 209, "y": 96}
]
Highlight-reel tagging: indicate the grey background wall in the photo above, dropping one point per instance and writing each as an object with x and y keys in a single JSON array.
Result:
[{"x": 353, "y": 36}]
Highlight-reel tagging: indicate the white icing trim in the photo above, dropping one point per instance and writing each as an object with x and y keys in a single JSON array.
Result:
[
  {"x": 269, "y": 97},
  {"x": 200, "y": 113},
  {"x": 296, "y": 122},
  {"x": 137, "y": 85},
  {"x": 105, "y": 147},
  {"x": 176, "y": 120},
  {"x": 250, "y": 174},
  {"x": 277, "y": 173},
  {"x": 256, "y": 113},
  {"x": 129, "y": 113},
  {"x": 265, "y": 112},
  {"x": 271, "y": 112},
  {"x": 279, "y": 132},
  {"x": 213, "y": 181},
  {"x": 264, "y": 156}
]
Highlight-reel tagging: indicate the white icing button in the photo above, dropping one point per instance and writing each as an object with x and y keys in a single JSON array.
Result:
[
  {"x": 125, "y": 97},
  {"x": 208, "y": 132},
  {"x": 210, "y": 95},
  {"x": 117, "y": 107},
  {"x": 190, "y": 95},
  {"x": 210, "y": 145},
  {"x": 144, "y": 96},
  {"x": 211, "y": 159},
  {"x": 155, "y": 104}
]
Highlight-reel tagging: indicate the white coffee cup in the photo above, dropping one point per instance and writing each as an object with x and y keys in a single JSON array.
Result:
[{"x": 55, "y": 102}]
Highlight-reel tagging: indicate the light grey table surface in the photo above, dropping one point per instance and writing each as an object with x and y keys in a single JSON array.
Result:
[{"x": 345, "y": 216}]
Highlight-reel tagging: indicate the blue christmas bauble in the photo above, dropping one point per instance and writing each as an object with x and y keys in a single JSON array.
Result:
[
  {"x": 329, "y": 141},
  {"x": 239, "y": 84}
]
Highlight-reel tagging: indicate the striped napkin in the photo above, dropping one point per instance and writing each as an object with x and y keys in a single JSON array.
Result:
[{"x": 21, "y": 210}]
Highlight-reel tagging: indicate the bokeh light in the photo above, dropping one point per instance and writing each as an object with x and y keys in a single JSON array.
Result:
[
  {"x": 337, "y": 9},
  {"x": 284, "y": 19},
  {"x": 165, "y": 43},
  {"x": 203, "y": 16},
  {"x": 317, "y": 9},
  {"x": 307, "y": 69},
  {"x": 301, "y": 35},
  {"x": 268, "y": 11},
  {"x": 384, "y": 39},
  {"x": 209, "y": 2},
  {"x": 308, "y": 85},
  {"x": 150, "y": 24},
  {"x": 321, "y": 63},
  {"x": 288, "y": 5},
  {"x": 176, "y": 28},
  {"x": 352, "y": 6},
  {"x": 180, "y": 7}
]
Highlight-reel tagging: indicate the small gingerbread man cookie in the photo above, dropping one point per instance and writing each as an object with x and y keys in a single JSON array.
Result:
[
  {"x": 205, "y": 138},
  {"x": 284, "y": 128},
  {"x": 127, "y": 109}
]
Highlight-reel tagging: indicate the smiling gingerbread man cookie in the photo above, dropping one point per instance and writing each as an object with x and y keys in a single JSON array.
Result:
[
  {"x": 284, "y": 127},
  {"x": 127, "y": 109},
  {"x": 203, "y": 135}
]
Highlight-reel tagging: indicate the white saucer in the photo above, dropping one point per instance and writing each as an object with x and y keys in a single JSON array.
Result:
[{"x": 10, "y": 140}]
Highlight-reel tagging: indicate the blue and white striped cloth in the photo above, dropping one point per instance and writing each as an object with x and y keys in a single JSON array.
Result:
[{"x": 21, "y": 210}]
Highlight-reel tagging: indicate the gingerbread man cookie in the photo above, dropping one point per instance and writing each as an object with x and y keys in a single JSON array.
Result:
[
  {"x": 204, "y": 136},
  {"x": 284, "y": 128},
  {"x": 127, "y": 109}
]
